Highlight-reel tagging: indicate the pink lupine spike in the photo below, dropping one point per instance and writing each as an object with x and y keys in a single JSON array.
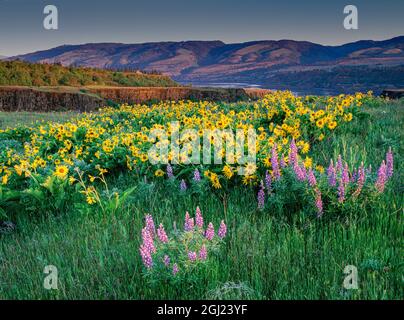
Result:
[
  {"x": 222, "y": 230},
  {"x": 210, "y": 232},
  {"x": 198, "y": 218}
]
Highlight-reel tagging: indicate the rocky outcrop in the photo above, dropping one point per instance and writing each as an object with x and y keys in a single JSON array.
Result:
[
  {"x": 29, "y": 99},
  {"x": 140, "y": 95},
  {"x": 89, "y": 99},
  {"x": 393, "y": 94}
]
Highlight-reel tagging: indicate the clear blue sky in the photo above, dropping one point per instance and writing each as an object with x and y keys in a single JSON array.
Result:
[{"x": 134, "y": 21}]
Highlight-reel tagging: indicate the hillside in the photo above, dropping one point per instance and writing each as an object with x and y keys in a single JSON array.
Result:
[
  {"x": 19, "y": 73},
  {"x": 214, "y": 61}
]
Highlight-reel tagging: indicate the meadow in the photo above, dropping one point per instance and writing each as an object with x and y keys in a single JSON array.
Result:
[{"x": 78, "y": 191}]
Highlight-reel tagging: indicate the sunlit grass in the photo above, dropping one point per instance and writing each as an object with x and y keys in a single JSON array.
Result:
[{"x": 14, "y": 119}]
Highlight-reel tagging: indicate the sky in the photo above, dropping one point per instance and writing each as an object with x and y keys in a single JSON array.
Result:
[{"x": 138, "y": 21}]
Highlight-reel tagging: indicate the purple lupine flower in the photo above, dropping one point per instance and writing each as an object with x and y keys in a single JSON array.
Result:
[
  {"x": 150, "y": 225},
  {"x": 261, "y": 197},
  {"x": 304, "y": 171},
  {"x": 198, "y": 218},
  {"x": 203, "y": 253},
  {"x": 148, "y": 240},
  {"x": 345, "y": 174},
  {"x": 389, "y": 163},
  {"x": 360, "y": 181},
  {"x": 331, "y": 174},
  {"x": 319, "y": 203},
  {"x": 183, "y": 185},
  {"x": 210, "y": 232},
  {"x": 300, "y": 174},
  {"x": 175, "y": 269},
  {"x": 170, "y": 173},
  {"x": 275, "y": 164},
  {"x": 341, "y": 191},
  {"x": 192, "y": 255},
  {"x": 381, "y": 177},
  {"x": 161, "y": 233},
  {"x": 166, "y": 260},
  {"x": 282, "y": 162},
  {"x": 222, "y": 230},
  {"x": 268, "y": 181},
  {"x": 354, "y": 175},
  {"x": 146, "y": 256},
  {"x": 311, "y": 178},
  {"x": 338, "y": 167},
  {"x": 189, "y": 222},
  {"x": 197, "y": 176},
  {"x": 292, "y": 153}
]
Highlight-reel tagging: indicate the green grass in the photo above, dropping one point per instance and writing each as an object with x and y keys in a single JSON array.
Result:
[
  {"x": 13, "y": 119},
  {"x": 264, "y": 256}
]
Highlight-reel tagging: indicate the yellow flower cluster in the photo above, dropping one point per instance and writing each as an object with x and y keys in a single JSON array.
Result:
[{"x": 118, "y": 138}]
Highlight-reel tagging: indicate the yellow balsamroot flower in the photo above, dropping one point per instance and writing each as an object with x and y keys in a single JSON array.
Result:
[
  {"x": 215, "y": 181},
  {"x": 320, "y": 168},
  {"x": 101, "y": 170},
  {"x": 247, "y": 180},
  {"x": 61, "y": 171},
  {"x": 320, "y": 123},
  {"x": 4, "y": 179},
  {"x": 159, "y": 173},
  {"x": 267, "y": 162},
  {"x": 18, "y": 169},
  {"x": 308, "y": 162},
  {"x": 90, "y": 200},
  {"x": 228, "y": 172},
  {"x": 348, "y": 117},
  {"x": 320, "y": 113},
  {"x": 250, "y": 168},
  {"x": 321, "y": 137},
  {"x": 332, "y": 125},
  {"x": 305, "y": 147}
]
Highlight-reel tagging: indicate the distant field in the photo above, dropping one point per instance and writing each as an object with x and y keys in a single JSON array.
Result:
[{"x": 13, "y": 119}]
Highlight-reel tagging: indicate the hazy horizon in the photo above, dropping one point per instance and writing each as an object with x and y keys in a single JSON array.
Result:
[{"x": 143, "y": 21}]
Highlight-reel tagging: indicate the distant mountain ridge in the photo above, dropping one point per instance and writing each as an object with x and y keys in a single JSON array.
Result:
[{"x": 216, "y": 61}]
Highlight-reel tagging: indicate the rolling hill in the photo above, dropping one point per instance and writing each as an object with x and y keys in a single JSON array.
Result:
[
  {"x": 257, "y": 62},
  {"x": 21, "y": 73}
]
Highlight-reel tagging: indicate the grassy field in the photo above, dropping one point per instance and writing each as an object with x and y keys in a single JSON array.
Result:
[
  {"x": 13, "y": 119},
  {"x": 266, "y": 256}
]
